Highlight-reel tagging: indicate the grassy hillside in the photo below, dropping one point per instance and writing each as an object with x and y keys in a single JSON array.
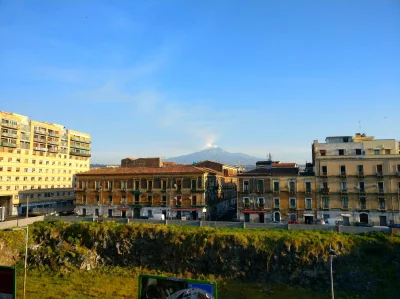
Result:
[{"x": 368, "y": 264}]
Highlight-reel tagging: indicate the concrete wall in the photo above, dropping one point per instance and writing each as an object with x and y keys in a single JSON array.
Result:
[{"x": 20, "y": 222}]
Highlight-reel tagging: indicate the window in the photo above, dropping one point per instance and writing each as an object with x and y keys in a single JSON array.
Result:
[
  {"x": 324, "y": 170},
  {"x": 382, "y": 205},
  {"x": 164, "y": 185},
  {"x": 292, "y": 186},
  {"x": 343, "y": 170},
  {"x": 308, "y": 187},
  {"x": 292, "y": 202},
  {"x": 123, "y": 200},
  {"x": 379, "y": 168},
  {"x": 387, "y": 151},
  {"x": 345, "y": 202},
  {"x": 276, "y": 202},
  {"x": 261, "y": 202},
  {"x": 360, "y": 169},
  {"x": 276, "y": 186},
  {"x": 246, "y": 186},
  {"x": 361, "y": 186},
  {"x": 343, "y": 186},
  {"x": 377, "y": 152},
  {"x": 193, "y": 182},
  {"x": 398, "y": 167},
  {"x": 178, "y": 200},
  {"x": 164, "y": 199},
  {"x": 96, "y": 184},
  {"x": 341, "y": 152},
  {"x": 380, "y": 187},
  {"x": 260, "y": 185},
  {"x": 308, "y": 203},
  {"x": 322, "y": 152},
  {"x": 150, "y": 185},
  {"x": 123, "y": 185},
  {"x": 194, "y": 199},
  {"x": 325, "y": 202},
  {"x": 110, "y": 199},
  {"x": 178, "y": 184},
  {"x": 110, "y": 185}
]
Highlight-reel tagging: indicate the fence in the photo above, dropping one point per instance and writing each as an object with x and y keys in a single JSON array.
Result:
[
  {"x": 215, "y": 224},
  {"x": 20, "y": 222}
]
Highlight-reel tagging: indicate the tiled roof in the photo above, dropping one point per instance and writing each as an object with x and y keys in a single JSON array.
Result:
[
  {"x": 283, "y": 164},
  {"x": 170, "y": 169},
  {"x": 272, "y": 171}
]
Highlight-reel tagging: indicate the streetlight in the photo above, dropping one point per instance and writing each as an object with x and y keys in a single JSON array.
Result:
[
  {"x": 332, "y": 254},
  {"x": 26, "y": 249}
]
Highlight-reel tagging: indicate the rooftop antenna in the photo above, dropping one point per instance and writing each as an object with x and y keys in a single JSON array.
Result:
[{"x": 269, "y": 157}]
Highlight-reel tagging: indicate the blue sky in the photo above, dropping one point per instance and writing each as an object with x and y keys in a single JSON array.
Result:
[{"x": 164, "y": 78}]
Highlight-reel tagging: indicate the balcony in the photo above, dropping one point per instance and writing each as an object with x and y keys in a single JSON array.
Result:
[
  {"x": 79, "y": 140},
  {"x": 363, "y": 206},
  {"x": 52, "y": 141},
  {"x": 83, "y": 154},
  {"x": 80, "y": 147},
  {"x": 381, "y": 191},
  {"x": 324, "y": 174},
  {"x": 25, "y": 137},
  {"x": 11, "y": 135},
  {"x": 324, "y": 190},
  {"x": 39, "y": 140},
  {"x": 53, "y": 150},
  {"x": 379, "y": 174},
  {"x": 308, "y": 191},
  {"x": 9, "y": 125},
  {"x": 343, "y": 175},
  {"x": 8, "y": 144},
  {"x": 361, "y": 191},
  {"x": 53, "y": 134},
  {"x": 292, "y": 191},
  {"x": 275, "y": 191},
  {"x": 41, "y": 132},
  {"x": 361, "y": 174},
  {"x": 343, "y": 191},
  {"x": 43, "y": 149}
]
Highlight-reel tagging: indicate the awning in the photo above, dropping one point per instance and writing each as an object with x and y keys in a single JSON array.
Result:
[
  {"x": 345, "y": 215},
  {"x": 255, "y": 211},
  {"x": 312, "y": 215},
  {"x": 123, "y": 209}
]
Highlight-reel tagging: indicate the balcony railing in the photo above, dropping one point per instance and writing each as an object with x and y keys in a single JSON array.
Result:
[
  {"x": 80, "y": 147},
  {"x": 381, "y": 191},
  {"x": 53, "y": 134},
  {"x": 9, "y": 125},
  {"x": 79, "y": 140},
  {"x": 324, "y": 190},
  {"x": 83, "y": 154},
  {"x": 363, "y": 206},
  {"x": 379, "y": 174},
  {"x": 25, "y": 137},
  {"x": 41, "y": 132},
  {"x": 43, "y": 149},
  {"x": 6, "y": 134},
  {"x": 324, "y": 174},
  {"x": 39, "y": 140},
  {"x": 343, "y": 191},
  {"x": 343, "y": 174},
  {"x": 361, "y": 174},
  {"x": 52, "y": 141},
  {"x": 9, "y": 144},
  {"x": 53, "y": 150}
]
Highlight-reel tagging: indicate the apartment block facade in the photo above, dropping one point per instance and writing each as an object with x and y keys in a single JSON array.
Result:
[
  {"x": 174, "y": 190},
  {"x": 38, "y": 155},
  {"x": 358, "y": 178},
  {"x": 276, "y": 191}
]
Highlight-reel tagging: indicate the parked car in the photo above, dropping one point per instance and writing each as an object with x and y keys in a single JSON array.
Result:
[
  {"x": 394, "y": 225},
  {"x": 144, "y": 217}
]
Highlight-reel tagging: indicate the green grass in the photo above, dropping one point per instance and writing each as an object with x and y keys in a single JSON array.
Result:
[{"x": 123, "y": 283}]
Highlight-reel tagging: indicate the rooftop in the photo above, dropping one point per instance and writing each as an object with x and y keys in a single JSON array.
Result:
[{"x": 170, "y": 169}]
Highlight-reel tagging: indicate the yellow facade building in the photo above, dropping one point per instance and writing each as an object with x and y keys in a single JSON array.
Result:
[
  {"x": 37, "y": 155},
  {"x": 358, "y": 179},
  {"x": 276, "y": 192}
]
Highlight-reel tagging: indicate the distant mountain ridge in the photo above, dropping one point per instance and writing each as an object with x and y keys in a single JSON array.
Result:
[{"x": 216, "y": 154}]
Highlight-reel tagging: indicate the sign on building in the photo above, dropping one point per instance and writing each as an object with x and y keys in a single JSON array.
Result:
[{"x": 161, "y": 287}]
